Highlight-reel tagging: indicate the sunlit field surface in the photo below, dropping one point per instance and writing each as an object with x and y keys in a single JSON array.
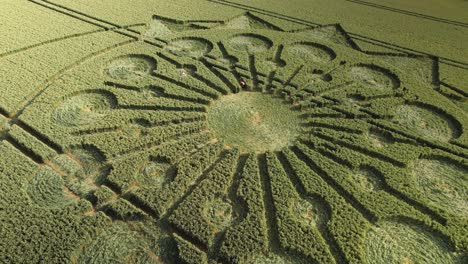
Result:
[{"x": 234, "y": 131}]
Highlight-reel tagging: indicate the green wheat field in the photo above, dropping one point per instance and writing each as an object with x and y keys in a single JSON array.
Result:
[{"x": 234, "y": 131}]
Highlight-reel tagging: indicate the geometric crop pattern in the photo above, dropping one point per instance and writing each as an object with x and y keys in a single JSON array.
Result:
[{"x": 374, "y": 168}]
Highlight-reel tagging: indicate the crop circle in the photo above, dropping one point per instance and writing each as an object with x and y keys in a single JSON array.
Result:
[
  {"x": 84, "y": 109},
  {"x": 254, "y": 122},
  {"x": 130, "y": 67},
  {"x": 251, "y": 144},
  {"x": 219, "y": 212},
  {"x": 189, "y": 47},
  {"x": 399, "y": 242},
  {"x": 426, "y": 122},
  {"x": 251, "y": 43},
  {"x": 375, "y": 76},
  {"x": 311, "y": 52},
  {"x": 443, "y": 183}
]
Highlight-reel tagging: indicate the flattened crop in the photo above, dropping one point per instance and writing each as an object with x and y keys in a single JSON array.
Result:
[{"x": 232, "y": 141}]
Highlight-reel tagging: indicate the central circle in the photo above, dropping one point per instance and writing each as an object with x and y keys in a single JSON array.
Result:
[{"x": 254, "y": 122}]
